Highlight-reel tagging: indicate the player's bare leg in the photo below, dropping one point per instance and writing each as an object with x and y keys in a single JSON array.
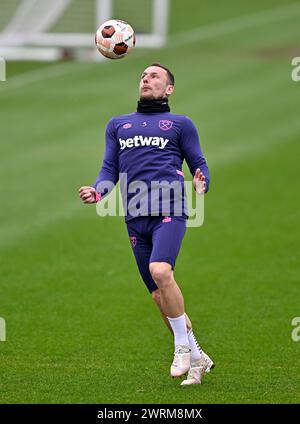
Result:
[
  {"x": 172, "y": 306},
  {"x": 172, "y": 302},
  {"x": 156, "y": 296}
]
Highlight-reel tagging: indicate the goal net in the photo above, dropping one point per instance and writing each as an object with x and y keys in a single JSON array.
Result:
[{"x": 48, "y": 30}]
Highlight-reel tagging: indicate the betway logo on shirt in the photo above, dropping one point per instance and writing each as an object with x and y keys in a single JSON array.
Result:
[{"x": 139, "y": 140}]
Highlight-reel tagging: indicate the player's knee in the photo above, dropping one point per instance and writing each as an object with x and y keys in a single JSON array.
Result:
[{"x": 161, "y": 273}]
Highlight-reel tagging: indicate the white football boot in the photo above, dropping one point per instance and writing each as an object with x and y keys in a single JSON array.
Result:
[
  {"x": 182, "y": 361},
  {"x": 198, "y": 369}
]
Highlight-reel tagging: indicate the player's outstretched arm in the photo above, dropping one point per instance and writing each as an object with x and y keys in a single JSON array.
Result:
[
  {"x": 199, "y": 181},
  {"x": 88, "y": 194}
]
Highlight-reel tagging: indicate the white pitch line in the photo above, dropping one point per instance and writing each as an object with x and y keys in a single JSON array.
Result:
[
  {"x": 235, "y": 24},
  {"x": 41, "y": 74}
]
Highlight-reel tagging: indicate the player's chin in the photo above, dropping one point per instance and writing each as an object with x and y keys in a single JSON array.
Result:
[{"x": 146, "y": 95}]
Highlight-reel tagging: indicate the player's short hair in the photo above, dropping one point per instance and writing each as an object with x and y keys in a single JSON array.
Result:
[{"x": 171, "y": 77}]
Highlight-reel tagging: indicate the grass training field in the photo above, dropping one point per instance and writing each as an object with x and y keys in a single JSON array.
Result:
[{"x": 81, "y": 327}]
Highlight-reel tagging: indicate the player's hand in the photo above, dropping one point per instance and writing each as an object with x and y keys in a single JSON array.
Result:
[
  {"x": 87, "y": 194},
  {"x": 199, "y": 182}
]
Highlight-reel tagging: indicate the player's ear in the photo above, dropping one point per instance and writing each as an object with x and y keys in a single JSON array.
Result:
[{"x": 169, "y": 90}]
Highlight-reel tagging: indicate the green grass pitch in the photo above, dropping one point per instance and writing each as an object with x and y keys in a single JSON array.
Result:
[{"x": 81, "y": 327}]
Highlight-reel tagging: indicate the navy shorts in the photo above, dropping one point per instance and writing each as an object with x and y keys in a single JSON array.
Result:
[{"x": 155, "y": 239}]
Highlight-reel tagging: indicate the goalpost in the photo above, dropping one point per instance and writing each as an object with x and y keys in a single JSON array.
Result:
[{"x": 48, "y": 30}]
